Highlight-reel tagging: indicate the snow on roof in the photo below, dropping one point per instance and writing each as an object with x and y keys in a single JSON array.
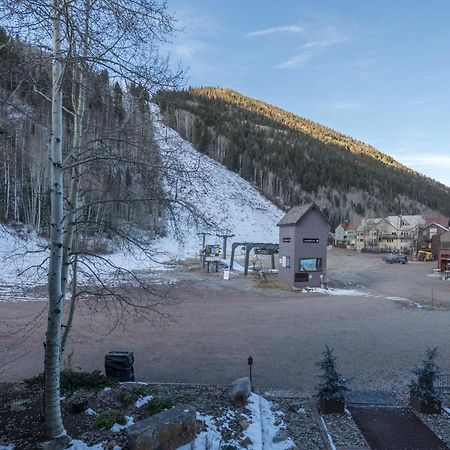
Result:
[
  {"x": 411, "y": 221},
  {"x": 368, "y": 222},
  {"x": 414, "y": 221},
  {"x": 392, "y": 220}
]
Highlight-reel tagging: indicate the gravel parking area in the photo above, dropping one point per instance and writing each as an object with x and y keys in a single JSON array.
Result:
[{"x": 216, "y": 324}]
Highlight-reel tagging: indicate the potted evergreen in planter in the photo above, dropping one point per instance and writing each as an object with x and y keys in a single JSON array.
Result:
[
  {"x": 331, "y": 393},
  {"x": 424, "y": 397}
]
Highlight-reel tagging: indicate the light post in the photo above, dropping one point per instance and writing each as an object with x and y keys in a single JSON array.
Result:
[{"x": 250, "y": 364}]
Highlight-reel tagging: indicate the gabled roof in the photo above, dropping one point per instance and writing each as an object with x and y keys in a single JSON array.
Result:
[
  {"x": 414, "y": 220},
  {"x": 294, "y": 215},
  {"x": 349, "y": 226},
  {"x": 382, "y": 221},
  {"x": 365, "y": 223},
  {"x": 441, "y": 221},
  {"x": 369, "y": 223},
  {"x": 411, "y": 221}
]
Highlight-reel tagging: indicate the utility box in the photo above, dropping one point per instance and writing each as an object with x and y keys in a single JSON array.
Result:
[
  {"x": 119, "y": 366},
  {"x": 303, "y": 246}
]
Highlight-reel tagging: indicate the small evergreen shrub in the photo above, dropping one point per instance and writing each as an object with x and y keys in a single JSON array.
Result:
[
  {"x": 34, "y": 382},
  {"x": 130, "y": 395},
  {"x": 72, "y": 380},
  {"x": 333, "y": 386},
  {"x": 157, "y": 404},
  {"x": 106, "y": 419},
  {"x": 426, "y": 374}
]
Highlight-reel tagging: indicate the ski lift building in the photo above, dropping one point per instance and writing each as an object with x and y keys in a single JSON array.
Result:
[{"x": 303, "y": 246}]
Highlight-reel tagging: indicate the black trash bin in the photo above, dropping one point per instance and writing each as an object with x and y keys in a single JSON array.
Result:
[{"x": 119, "y": 366}]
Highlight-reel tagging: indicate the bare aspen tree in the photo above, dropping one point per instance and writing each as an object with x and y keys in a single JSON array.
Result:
[
  {"x": 85, "y": 37},
  {"x": 53, "y": 420},
  {"x": 79, "y": 105}
]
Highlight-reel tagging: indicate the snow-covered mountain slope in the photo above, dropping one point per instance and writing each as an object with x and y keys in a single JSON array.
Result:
[
  {"x": 206, "y": 198},
  {"x": 230, "y": 203},
  {"x": 23, "y": 262}
]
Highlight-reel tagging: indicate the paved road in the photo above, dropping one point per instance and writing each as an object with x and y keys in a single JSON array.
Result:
[{"x": 217, "y": 324}]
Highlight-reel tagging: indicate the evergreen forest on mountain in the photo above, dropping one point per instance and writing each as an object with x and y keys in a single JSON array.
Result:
[
  {"x": 292, "y": 160},
  {"x": 119, "y": 161}
]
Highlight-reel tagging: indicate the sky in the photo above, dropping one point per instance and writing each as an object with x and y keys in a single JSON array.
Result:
[{"x": 378, "y": 71}]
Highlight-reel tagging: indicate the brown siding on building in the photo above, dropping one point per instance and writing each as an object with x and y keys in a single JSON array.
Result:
[{"x": 444, "y": 252}]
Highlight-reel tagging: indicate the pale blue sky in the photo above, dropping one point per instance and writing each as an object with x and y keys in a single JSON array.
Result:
[{"x": 376, "y": 70}]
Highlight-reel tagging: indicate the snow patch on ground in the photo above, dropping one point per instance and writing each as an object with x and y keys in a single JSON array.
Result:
[
  {"x": 406, "y": 300},
  {"x": 7, "y": 447},
  {"x": 356, "y": 293},
  {"x": 142, "y": 401},
  {"x": 22, "y": 263},
  {"x": 261, "y": 430},
  {"x": 210, "y": 439},
  {"x": 229, "y": 203},
  {"x": 117, "y": 427},
  {"x": 80, "y": 445},
  {"x": 336, "y": 292},
  {"x": 330, "y": 438}
]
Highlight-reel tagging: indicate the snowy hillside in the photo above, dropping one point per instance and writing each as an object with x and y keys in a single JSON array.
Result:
[
  {"x": 229, "y": 202},
  {"x": 202, "y": 189}
]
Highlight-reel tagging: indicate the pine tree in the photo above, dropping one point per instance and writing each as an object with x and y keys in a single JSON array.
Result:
[
  {"x": 333, "y": 384},
  {"x": 423, "y": 387}
]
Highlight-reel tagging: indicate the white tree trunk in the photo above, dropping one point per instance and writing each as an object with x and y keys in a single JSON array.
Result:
[
  {"x": 8, "y": 188},
  {"x": 78, "y": 137},
  {"x": 53, "y": 420}
]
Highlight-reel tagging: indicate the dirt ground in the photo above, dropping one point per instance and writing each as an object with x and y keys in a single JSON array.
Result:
[{"x": 378, "y": 334}]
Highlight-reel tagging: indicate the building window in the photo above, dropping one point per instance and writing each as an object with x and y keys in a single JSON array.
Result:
[
  {"x": 286, "y": 262},
  {"x": 310, "y": 264}
]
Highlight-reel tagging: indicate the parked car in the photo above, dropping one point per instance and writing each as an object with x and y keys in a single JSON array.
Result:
[{"x": 396, "y": 258}]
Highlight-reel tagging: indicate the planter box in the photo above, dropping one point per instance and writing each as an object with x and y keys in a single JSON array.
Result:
[
  {"x": 331, "y": 406},
  {"x": 425, "y": 408}
]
